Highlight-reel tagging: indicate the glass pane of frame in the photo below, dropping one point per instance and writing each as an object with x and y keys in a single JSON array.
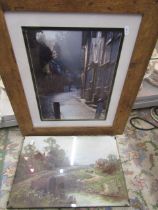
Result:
[
  {"x": 73, "y": 70},
  {"x": 148, "y": 93},
  {"x": 7, "y": 117}
]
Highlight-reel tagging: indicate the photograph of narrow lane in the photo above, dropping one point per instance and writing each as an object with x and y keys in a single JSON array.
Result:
[{"x": 73, "y": 70}]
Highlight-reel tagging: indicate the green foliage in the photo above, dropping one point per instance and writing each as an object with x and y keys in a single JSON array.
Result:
[
  {"x": 56, "y": 156},
  {"x": 30, "y": 150},
  {"x": 51, "y": 144},
  {"x": 94, "y": 181},
  {"x": 53, "y": 158},
  {"x": 81, "y": 174},
  {"x": 109, "y": 165},
  {"x": 24, "y": 196},
  {"x": 87, "y": 180}
]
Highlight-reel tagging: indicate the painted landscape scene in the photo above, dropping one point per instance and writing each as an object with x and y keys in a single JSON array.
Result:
[
  {"x": 73, "y": 70},
  {"x": 68, "y": 172}
]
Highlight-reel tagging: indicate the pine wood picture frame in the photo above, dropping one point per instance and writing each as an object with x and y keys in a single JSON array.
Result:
[{"x": 141, "y": 49}]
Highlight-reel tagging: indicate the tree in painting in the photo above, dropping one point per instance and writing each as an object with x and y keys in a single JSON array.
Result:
[{"x": 56, "y": 157}]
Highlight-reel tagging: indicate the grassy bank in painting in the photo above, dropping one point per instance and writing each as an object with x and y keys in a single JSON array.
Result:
[{"x": 80, "y": 186}]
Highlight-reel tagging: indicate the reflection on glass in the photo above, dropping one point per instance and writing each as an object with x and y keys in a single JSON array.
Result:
[
  {"x": 149, "y": 85},
  {"x": 73, "y": 151}
]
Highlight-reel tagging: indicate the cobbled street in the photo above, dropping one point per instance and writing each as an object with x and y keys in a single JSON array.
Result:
[{"x": 72, "y": 106}]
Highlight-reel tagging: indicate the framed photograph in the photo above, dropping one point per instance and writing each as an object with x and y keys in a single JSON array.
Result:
[{"x": 75, "y": 69}]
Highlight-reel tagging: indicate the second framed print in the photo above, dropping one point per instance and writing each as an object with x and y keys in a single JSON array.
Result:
[{"x": 72, "y": 68}]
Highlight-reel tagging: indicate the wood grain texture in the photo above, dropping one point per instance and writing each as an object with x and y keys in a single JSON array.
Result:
[
  {"x": 73, "y": 131},
  {"x": 11, "y": 78},
  {"x": 145, "y": 43},
  {"x": 119, "y": 6}
]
